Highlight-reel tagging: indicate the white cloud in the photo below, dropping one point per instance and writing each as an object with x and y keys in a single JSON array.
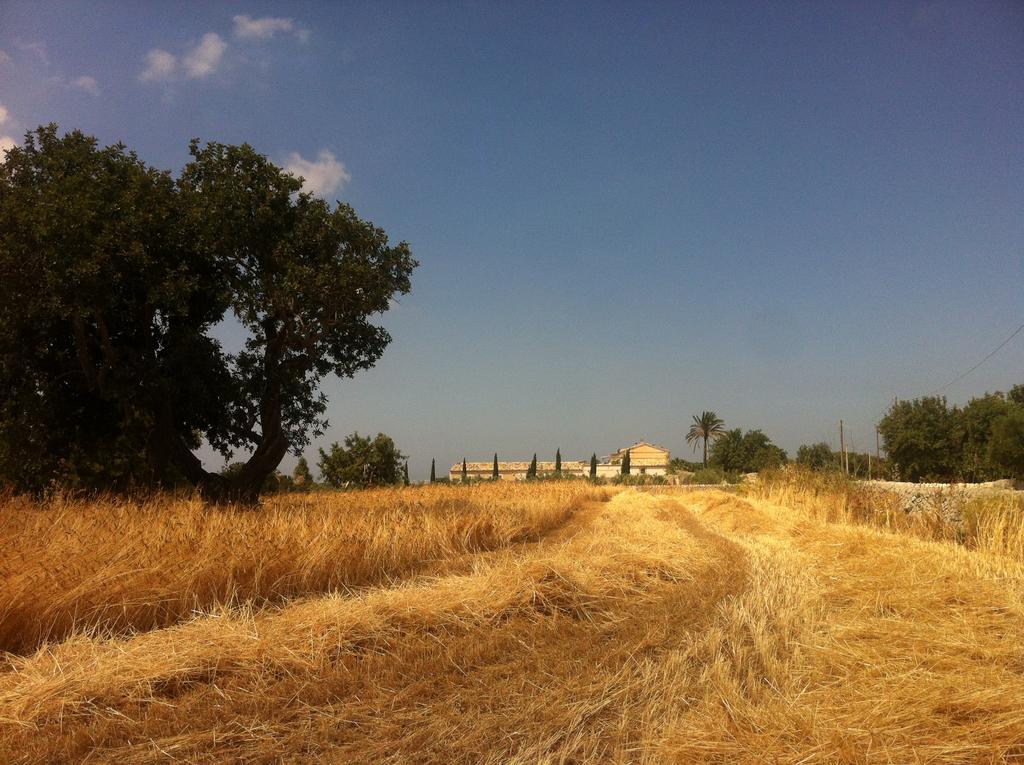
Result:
[
  {"x": 323, "y": 176},
  {"x": 38, "y": 48},
  {"x": 260, "y": 29},
  {"x": 248, "y": 28},
  {"x": 3, "y": 114},
  {"x": 160, "y": 65},
  {"x": 197, "y": 63},
  {"x": 204, "y": 59},
  {"x": 4, "y": 58},
  {"x": 6, "y": 143},
  {"x": 86, "y": 83}
]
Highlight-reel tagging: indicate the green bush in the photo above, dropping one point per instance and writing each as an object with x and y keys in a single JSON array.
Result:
[
  {"x": 709, "y": 475},
  {"x": 678, "y": 465}
]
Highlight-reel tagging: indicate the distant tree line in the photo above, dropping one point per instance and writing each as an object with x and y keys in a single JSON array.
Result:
[
  {"x": 926, "y": 439},
  {"x": 726, "y": 454},
  {"x": 820, "y": 456},
  {"x": 738, "y": 452}
]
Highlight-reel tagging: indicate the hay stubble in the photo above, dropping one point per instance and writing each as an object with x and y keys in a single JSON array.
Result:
[{"x": 651, "y": 628}]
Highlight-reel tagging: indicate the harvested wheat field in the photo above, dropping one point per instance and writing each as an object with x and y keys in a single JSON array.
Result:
[{"x": 554, "y": 623}]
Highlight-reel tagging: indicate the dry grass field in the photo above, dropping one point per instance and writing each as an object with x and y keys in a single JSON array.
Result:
[{"x": 550, "y": 623}]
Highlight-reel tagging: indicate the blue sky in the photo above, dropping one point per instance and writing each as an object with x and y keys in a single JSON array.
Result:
[{"x": 625, "y": 213}]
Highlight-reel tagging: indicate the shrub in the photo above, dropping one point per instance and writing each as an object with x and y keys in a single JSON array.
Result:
[{"x": 708, "y": 475}]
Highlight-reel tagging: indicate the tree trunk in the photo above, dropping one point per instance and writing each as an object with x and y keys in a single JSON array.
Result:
[
  {"x": 273, "y": 444},
  {"x": 705, "y": 451},
  {"x": 245, "y": 486}
]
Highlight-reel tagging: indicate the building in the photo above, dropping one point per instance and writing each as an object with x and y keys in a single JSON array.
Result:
[
  {"x": 644, "y": 459},
  {"x": 515, "y": 471}
]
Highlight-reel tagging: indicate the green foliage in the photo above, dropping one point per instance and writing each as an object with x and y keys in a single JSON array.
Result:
[
  {"x": 975, "y": 431},
  {"x": 362, "y": 462},
  {"x": 820, "y": 457},
  {"x": 1006, "y": 446},
  {"x": 860, "y": 462},
  {"x": 405, "y": 474},
  {"x": 494, "y": 469},
  {"x": 465, "y": 471},
  {"x": 738, "y": 452},
  {"x": 1016, "y": 395},
  {"x": 711, "y": 475},
  {"x": 921, "y": 439},
  {"x": 593, "y": 465},
  {"x": 558, "y": 461},
  {"x": 626, "y": 463},
  {"x": 928, "y": 440},
  {"x": 531, "y": 472},
  {"x": 678, "y": 465},
  {"x": 817, "y": 456},
  {"x": 302, "y": 476},
  {"x": 433, "y": 471},
  {"x": 274, "y": 483},
  {"x": 114, "y": 275},
  {"x": 278, "y": 483},
  {"x": 708, "y": 427},
  {"x": 91, "y": 254}
]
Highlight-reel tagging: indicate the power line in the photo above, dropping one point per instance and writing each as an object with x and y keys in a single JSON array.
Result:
[{"x": 993, "y": 353}]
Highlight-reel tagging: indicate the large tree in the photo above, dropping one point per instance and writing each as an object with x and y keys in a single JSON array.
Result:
[
  {"x": 923, "y": 439},
  {"x": 113, "y": 278},
  {"x": 708, "y": 427}
]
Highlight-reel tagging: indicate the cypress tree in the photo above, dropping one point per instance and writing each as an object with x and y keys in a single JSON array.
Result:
[
  {"x": 558, "y": 461},
  {"x": 532, "y": 470},
  {"x": 593, "y": 465},
  {"x": 405, "y": 473},
  {"x": 465, "y": 473},
  {"x": 625, "y": 463},
  {"x": 494, "y": 470},
  {"x": 433, "y": 472}
]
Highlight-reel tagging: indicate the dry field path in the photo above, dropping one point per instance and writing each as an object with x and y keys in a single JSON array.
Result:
[{"x": 652, "y": 628}]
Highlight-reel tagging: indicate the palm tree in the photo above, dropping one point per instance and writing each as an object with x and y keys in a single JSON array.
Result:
[{"x": 707, "y": 427}]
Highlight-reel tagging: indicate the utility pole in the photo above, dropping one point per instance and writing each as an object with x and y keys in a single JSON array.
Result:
[{"x": 842, "y": 450}]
